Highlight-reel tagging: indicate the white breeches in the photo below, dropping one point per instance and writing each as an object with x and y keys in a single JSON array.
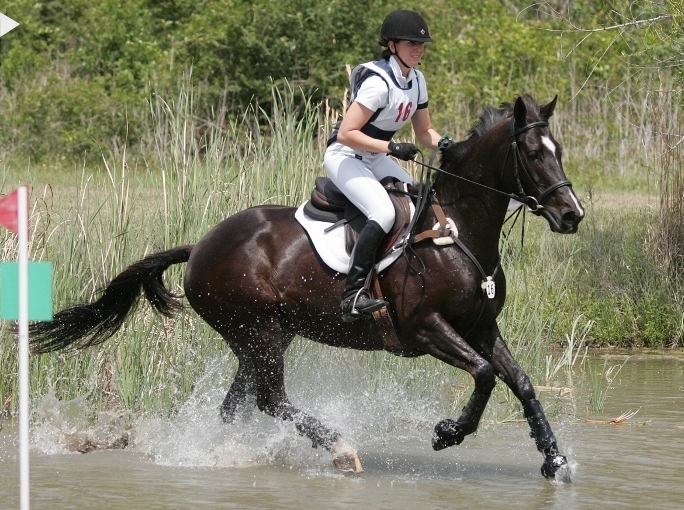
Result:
[{"x": 358, "y": 173}]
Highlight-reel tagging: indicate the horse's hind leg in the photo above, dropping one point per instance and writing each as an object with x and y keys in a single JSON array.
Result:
[
  {"x": 517, "y": 380},
  {"x": 241, "y": 397},
  {"x": 266, "y": 351}
]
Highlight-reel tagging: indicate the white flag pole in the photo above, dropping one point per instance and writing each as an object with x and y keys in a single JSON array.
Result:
[{"x": 22, "y": 224}]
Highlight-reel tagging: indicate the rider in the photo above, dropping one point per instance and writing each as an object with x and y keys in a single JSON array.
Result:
[{"x": 385, "y": 95}]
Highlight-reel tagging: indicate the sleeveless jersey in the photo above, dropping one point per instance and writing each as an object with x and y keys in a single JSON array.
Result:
[{"x": 402, "y": 101}]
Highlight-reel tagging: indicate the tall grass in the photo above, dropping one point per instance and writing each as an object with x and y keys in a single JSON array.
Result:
[
  {"x": 195, "y": 170},
  {"x": 199, "y": 175},
  {"x": 610, "y": 135},
  {"x": 667, "y": 247}
]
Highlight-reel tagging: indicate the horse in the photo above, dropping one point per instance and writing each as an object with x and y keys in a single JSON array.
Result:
[{"x": 256, "y": 279}]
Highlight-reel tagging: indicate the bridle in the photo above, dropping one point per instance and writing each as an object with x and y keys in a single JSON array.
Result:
[
  {"x": 426, "y": 195},
  {"x": 533, "y": 203}
]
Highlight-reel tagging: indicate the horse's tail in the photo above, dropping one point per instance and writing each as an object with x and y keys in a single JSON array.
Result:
[{"x": 91, "y": 324}]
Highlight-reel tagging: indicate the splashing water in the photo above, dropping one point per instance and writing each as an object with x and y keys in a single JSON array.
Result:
[
  {"x": 195, "y": 435},
  {"x": 565, "y": 473},
  {"x": 259, "y": 461}
]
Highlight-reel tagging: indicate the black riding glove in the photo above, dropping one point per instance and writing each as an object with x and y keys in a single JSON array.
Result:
[
  {"x": 403, "y": 151},
  {"x": 445, "y": 142}
]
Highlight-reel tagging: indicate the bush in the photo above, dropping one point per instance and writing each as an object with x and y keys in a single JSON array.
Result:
[
  {"x": 115, "y": 51},
  {"x": 616, "y": 283}
]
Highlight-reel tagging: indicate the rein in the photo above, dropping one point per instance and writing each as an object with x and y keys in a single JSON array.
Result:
[
  {"x": 426, "y": 194},
  {"x": 535, "y": 204}
]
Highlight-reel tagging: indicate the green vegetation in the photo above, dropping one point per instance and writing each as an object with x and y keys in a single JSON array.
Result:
[
  {"x": 142, "y": 124},
  {"x": 566, "y": 291},
  {"x": 94, "y": 230},
  {"x": 76, "y": 77}
]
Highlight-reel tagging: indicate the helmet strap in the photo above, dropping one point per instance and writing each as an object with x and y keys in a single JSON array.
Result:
[{"x": 396, "y": 55}]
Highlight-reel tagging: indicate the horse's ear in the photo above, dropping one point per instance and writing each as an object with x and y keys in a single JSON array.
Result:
[
  {"x": 547, "y": 110},
  {"x": 520, "y": 112}
]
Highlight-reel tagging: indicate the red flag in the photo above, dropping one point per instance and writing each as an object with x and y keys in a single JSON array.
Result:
[{"x": 9, "y": 215}]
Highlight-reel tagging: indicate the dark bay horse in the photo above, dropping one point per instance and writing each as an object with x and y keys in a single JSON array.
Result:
[{"x": 256, "y": 279}]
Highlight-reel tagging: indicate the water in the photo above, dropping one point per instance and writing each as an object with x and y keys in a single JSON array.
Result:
[{"x": 194, "y": 461}]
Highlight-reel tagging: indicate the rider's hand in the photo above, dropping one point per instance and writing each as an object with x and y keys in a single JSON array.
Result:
[
  {"x": 445, "y": 142},
  {"x": 403, "y": 151}
]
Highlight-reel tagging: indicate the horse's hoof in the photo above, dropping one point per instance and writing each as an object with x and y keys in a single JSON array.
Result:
[
  {"x": 556, "y": 468},
  {"x": 349, "y": 463},
  {"x": 345, "y": 457},
  {"x": 447, "y": 433}
]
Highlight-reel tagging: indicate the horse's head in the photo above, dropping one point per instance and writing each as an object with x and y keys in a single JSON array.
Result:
[{"x": 538, "y": 168}]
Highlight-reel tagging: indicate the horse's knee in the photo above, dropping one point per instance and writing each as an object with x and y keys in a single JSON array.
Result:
[
  {"x": 525, "y": 389},
  {"x": 485, "y": 378}
]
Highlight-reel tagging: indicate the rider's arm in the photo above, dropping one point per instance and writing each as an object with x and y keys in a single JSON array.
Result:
[
  {"x": 422, "y": 127},
  {"x": 350, "y": 130}
]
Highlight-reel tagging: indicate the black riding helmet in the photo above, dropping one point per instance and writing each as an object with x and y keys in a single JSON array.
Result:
[{"x": 404, "y": 25}]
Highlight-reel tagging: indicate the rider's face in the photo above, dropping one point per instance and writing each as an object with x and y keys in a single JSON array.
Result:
[{"x": 409, "y": 51}]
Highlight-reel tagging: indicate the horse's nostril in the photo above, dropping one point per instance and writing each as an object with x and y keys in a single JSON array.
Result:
[{"x": 569, "y": 218}]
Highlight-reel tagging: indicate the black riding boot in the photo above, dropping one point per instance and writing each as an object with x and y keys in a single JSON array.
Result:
[{"x": 356, "y": 302}]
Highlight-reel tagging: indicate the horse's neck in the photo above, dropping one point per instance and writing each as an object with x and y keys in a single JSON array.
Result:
[{"x": 478, "y": 212}]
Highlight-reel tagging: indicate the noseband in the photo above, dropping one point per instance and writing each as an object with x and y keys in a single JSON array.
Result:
[{"x": 533, "y": 203}]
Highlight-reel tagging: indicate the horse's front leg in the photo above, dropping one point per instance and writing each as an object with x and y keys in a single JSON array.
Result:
[
  {"x": 440, "y": 340},
  {"x": 507, "y": 369}
]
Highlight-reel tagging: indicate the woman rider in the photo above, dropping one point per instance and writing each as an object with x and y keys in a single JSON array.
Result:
[{"x": 386, "y": 94}]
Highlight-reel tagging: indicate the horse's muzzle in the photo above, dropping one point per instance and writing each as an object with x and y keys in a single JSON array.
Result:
[{"x": 563, "y": 223}]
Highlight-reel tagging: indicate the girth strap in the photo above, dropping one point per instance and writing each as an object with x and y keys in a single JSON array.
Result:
[
  {"x": 434, "y": 234},
  {"x": 444, "y": 232}
]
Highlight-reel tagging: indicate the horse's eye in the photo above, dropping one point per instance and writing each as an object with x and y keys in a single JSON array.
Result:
[{"x": 533, "y": 155}]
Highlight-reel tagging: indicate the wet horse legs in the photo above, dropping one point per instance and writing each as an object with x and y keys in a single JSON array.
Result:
[
  {"x": 540, "y": 430},
  {"x": 441, "y": 341},
  {"x": 449, "y": 432},
  {"x": 241, "y": 397},
  {"x": 517, "y": 380},
  {"x": 261, "y": 372}
]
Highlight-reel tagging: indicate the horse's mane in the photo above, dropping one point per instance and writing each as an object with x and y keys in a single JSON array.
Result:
[{"x": 490, "y": 117}]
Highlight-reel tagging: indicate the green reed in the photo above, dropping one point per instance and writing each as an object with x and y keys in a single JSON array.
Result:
[
  {"x": 197, "y": 176},
  {"x": 196, "y": 170},
  {"x": 600, "y": 380}
]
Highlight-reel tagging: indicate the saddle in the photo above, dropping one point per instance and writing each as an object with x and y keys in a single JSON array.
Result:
[{"x": 329, "y": 204}]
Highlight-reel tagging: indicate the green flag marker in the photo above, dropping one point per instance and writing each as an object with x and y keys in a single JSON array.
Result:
[{"x": 39, "y": 291}]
